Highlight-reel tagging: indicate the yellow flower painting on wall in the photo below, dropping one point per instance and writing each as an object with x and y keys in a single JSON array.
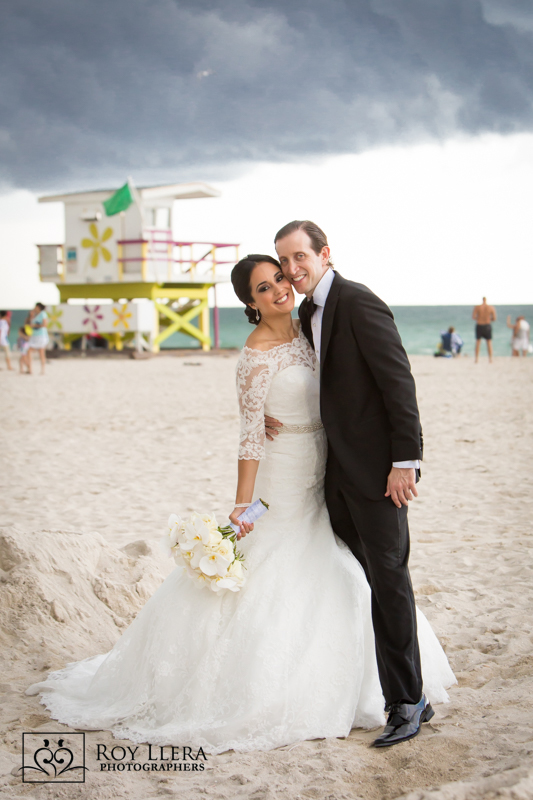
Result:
[
  {"x": 54, "y": 318},
  {"x": 122, "y": 316},
  {"x": 97, "y": 244}
]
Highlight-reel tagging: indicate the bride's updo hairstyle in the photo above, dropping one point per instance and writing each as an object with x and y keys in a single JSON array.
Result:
[{"x": 240, "y": 278}]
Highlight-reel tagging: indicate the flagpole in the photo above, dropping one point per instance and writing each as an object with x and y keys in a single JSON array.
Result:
[{"x": 137, "y": 199}]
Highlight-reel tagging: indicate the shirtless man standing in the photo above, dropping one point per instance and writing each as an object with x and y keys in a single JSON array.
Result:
[{"x": 484, "y": 315}]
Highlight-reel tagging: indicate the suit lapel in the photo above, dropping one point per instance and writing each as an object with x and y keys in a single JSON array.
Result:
[{"x": 327, "y": 318}]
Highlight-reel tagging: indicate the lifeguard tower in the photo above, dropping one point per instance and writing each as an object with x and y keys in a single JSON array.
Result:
[{"x": 119, "y": 249}]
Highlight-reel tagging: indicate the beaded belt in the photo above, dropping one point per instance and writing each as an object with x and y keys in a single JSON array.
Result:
[{"x": 301, "y": 428}]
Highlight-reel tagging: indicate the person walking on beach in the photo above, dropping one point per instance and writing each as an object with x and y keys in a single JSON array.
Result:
[
  {"x": 39, "y": 338},
  {"x": 484, "y": 315},
  {"x": 4, "y": 341},
  {"x": 370, "y": 415},
  {"x": 520, "y": 339}
]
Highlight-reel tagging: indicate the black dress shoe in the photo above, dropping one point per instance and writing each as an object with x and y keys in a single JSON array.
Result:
[{"x": 404, "y": 722}]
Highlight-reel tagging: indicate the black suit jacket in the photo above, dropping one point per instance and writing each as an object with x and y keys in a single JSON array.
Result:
[{"x": 367, "y": 392}]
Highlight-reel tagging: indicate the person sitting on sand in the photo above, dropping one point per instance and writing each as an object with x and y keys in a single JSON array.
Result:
[
  {"x": 520, "y": 340},
  {"x": 450, "y": 344},
  {"x": 484, "y": 315},
  {"x": 4, "y": 341}
]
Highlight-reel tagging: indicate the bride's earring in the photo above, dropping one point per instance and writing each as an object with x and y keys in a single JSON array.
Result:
[{"x": 257, "y": 315}]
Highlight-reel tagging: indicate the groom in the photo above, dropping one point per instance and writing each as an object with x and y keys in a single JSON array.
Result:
[{"x": 370, "y": 415}]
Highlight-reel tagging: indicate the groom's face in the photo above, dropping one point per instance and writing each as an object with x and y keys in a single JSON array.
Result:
[{"x": 299, "y": 262}]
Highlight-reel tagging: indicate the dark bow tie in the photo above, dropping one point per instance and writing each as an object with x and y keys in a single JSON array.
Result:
[{"x": 311, "y": 306}]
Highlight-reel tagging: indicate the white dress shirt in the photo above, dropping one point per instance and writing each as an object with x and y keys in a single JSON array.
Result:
[{"x": 320, "y": 295}]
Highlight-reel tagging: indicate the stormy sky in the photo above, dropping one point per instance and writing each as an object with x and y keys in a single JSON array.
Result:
[{"x": 94, "y": 91}]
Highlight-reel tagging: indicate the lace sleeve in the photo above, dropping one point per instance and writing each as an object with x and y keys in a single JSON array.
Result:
[{"x": 254, "y": 375}]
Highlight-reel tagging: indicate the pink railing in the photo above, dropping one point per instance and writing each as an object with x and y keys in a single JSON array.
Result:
[{"x": 156, "y": 252}]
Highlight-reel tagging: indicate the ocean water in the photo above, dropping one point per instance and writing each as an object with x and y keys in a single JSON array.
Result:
[{"x": 419, "y": 327}]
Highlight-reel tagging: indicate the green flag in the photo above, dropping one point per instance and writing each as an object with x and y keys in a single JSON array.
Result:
[{"x": 120, "y": 201}]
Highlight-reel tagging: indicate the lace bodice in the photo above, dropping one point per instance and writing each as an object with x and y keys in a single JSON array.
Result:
[{"x": 255, "y": 371}]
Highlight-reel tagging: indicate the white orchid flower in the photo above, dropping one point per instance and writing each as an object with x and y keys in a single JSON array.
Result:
[
  {"x": 174, "y": 521},
  {"x": 236, "y": 571},
  {"x": 176, "y": 529},
  {"x": 228, "y": 583},
  {"x": 193, "y": 552},
  {"x": 211, "y": 521},
  {"x": 201, "y": 580},
  {"x": 225, "y": 548},
  {"x": 215, "y": 537},
  {"x": 180, "y": 535},
  {"x": 214, "y": 564},
  {"x": 198, "y": 552},
  {"x": 187, "y": 553},
  {"x": 195, "y": 530},
  {"x": 218, "y": 584},
  {"x": 189, "y": 544}
]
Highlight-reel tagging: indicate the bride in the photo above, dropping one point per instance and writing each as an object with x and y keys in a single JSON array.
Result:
[{"x": 289, "y": 657}]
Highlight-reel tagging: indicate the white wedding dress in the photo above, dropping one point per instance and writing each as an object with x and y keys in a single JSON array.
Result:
[{"x": 289, "y": 657}]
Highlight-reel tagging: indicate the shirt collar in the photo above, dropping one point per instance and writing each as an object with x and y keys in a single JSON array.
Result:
[{"x": 320, "y": 295}]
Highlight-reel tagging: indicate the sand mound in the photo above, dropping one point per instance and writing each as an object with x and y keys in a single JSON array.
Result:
[{"x": 66, "y": 596}]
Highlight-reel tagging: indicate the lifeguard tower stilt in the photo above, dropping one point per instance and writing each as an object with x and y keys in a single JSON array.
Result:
[{"x": 151, "y": 286}]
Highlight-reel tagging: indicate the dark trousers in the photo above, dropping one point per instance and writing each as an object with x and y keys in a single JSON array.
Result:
[{"x": 378, "y": 535}]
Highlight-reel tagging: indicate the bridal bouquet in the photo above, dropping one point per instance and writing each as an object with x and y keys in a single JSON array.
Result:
[{"x": 207, "y": 551}]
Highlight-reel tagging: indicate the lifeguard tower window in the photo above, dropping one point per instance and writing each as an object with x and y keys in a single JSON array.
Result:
[
  {"x": 51, "y": 260},
  {"x": 159, "y": 218}
]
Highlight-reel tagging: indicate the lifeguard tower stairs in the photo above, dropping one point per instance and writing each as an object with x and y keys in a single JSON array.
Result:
[{"x": 124, "y": 277}]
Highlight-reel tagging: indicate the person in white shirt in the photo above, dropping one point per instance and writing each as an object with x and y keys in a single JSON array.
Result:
[
  {"x": 4, "y": 341},
  {"x": 520, "y": 338}
]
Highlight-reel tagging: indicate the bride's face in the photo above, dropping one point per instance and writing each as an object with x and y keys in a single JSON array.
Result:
[{"x": 271, "y": 291}]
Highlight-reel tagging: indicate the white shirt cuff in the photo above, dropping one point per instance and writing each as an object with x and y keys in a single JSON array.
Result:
[{"x": 406, "y": 464}]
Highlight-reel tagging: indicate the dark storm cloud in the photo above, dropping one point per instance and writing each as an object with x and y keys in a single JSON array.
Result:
[{"x": 93, "y": 91}]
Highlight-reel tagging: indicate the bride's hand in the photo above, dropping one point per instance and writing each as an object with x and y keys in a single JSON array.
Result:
[{"x": 245, "y": 527}]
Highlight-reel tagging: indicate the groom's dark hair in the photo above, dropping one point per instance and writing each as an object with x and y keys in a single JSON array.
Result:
[{"x": 317, "y": 236}]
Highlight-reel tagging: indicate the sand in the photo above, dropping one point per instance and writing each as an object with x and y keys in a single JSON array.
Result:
[{"x": 97, "y": 453}]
